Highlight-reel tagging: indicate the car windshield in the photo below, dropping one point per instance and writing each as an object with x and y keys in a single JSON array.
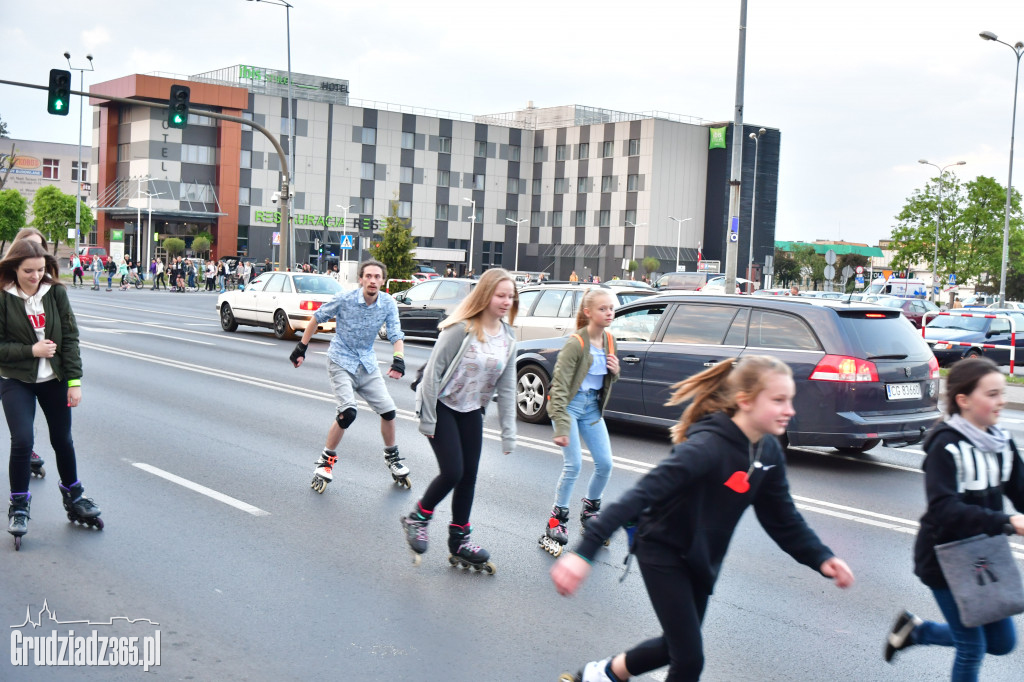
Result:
[
  {"x": 888, "y": 336},
  {"x": 316, "y": 284},
  {"x": 630, "y": 296},
  {"x": 968, "y": 324}
]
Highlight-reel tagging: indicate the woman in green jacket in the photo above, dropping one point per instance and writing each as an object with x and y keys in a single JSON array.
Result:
[{"x": 39, "y": 362}]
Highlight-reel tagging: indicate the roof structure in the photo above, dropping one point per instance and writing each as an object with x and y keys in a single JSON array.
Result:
[{"x": 840, "y": 249}]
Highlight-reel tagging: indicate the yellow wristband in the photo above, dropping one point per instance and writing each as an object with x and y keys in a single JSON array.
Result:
[{"x": 74, "y": 382}]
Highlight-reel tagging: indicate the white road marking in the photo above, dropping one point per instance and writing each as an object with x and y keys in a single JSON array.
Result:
[
  {"x": 201, "y": 489},
  {"x": 100, "y": 330},
  {"x": 222, "y": 336}
]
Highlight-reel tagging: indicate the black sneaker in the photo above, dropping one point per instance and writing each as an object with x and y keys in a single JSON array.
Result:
[{"x": 899, "y": 635}]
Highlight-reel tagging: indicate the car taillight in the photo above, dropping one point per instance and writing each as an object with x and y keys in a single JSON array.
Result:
[
  {"x": 309, "y": 305},
  {"x": 844, "y": 368},
  {"x": 881, "y": 315},
  {"x": 933, "y": 368}
]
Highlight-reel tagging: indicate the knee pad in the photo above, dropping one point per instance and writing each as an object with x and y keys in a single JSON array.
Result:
[
  {"x": 388, "y": 416},
  {"x": 346, "y": 417}
]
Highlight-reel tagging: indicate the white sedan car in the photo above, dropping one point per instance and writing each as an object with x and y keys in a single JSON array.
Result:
[{"x": 282, "y": 301}]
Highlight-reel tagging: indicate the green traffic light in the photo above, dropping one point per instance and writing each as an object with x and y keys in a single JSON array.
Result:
[{"x": 58, "y": 105}]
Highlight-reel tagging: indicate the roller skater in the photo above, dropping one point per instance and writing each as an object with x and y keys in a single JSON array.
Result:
[
  {"x": 352, "y": 367},
  {"x": 581, "y": 384},
  {"x": 80, "y": 509},
  {"x": 17, "y": 517},
  {"x": 472, "y": 361},
  {"x": 37, "y": 466}
]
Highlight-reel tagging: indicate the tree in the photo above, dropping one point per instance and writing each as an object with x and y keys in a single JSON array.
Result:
[
  {"x": 3, "y": 128},
  {"x": 811, "y": 264},
  {"x": 396, "y": 246},
  {"x": 200, "y": 244},
  {"x": 787, "y": 270},
  {"x": 174, "y": 246},
  {"x": 631, "y": 267},
  {"x": 12, "y": 215},
  {"x": 54, "y": 214},
  {"x": 7, "y": 162},
  {"x": 651, "y": 265}
]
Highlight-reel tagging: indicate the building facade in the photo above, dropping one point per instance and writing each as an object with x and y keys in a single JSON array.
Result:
[{"x": 38, "y": 164}]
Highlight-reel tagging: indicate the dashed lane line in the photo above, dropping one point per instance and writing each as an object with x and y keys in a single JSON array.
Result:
[
  {"x": 154, "y": 325},
  {"x": 201, "y": 489}
]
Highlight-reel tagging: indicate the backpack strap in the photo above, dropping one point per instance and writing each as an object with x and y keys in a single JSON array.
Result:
[
  {"x": 580, "y": 339},
  {"x": 609, "y": 344}
]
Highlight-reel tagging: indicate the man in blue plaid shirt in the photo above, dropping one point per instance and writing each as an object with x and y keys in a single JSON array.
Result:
[{"x": 352, "y": 366}]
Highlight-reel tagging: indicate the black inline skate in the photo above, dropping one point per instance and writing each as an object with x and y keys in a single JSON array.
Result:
[
  {"x": 324, "y": 472},
  {"x": 415, "y": 527},
  {"x": 17, "y": 517},
  {"x": 591, "y": 510},
  {"x": 399, "y": 472},
  {"x": 80, "y": 509},
  {"x": 556, "y": 535},
  {"x": 37, "y": 466},
  {"x": 465, "y": 553}
]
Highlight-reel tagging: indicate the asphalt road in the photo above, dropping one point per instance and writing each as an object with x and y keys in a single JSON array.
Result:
[{"x": 199, "y": 446}]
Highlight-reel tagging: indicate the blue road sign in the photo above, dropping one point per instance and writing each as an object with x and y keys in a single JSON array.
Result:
[
  {"x": 860, "y": 280},
  {"x": 346, "y": 241},
  {"x": 952, "y": 279}
]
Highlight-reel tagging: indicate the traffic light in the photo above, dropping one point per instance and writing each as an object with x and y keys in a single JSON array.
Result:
[
  {"x": 177, "y": 115},
  {"x": 59, "y": 92}
]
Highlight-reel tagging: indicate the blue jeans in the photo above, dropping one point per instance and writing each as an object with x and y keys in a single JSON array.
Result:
[
  {"x": 971, "y": 644},
  {"x": 586, "y": 422}
]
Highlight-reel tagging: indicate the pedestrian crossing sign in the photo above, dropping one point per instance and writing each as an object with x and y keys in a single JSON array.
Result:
[{"x": 346, "y": 241}]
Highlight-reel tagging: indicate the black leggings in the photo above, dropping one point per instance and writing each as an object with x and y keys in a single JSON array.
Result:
[
  {"x": 19, "y": 401},
  {"x": 458, "y": 437},
  {"x": 680, "y": 607}
]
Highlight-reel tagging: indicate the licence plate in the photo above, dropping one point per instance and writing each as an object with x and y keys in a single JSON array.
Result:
[{"x": 903, "y": 391}]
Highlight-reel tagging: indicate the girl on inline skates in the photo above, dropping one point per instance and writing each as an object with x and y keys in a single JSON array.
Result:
[
  {"x": 580, "y": 387},
  {"x": 39, "y": 362},
  {"x": 473, "y": 359},
  {"x": 726, "y": 458}
]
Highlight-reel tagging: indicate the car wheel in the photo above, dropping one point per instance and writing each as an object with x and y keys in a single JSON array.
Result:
[
  {"x": 859, "y": 449},
  {"x": 532, "y": 394},
  {"x": 972, "y": 353},
  {"x": 382, "y": 333},
  {"x": 227, "y": 319},
  {"x": 282, "y": 329}
]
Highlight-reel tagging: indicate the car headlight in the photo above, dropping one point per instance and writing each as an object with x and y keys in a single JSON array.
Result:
[{"x": 943, "y": 346}]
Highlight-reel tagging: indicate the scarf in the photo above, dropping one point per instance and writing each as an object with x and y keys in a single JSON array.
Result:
[{"x": 989, "y": 440}]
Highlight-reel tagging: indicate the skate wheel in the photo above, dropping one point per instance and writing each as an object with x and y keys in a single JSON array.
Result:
[
  {"x": 17, "y": 543},
  {"x": 97, "y": 523},
  {"x": 489, "y": 568},
  {"x": 416, "y": 559},
  {"x": 453, "y": 560}
]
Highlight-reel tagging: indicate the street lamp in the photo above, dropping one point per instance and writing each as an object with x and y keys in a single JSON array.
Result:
[
  {"x": 753, "y": 206},
  {"x": 518, "y": 224},
  {"x": 1018, "y": 50},
  {"x": 636, "y": 229},
  {"x": 344, "y": 229},
  {"x": 291, "y": 125},
  {"x": 938, "y": 223},
  {"x": 679, "y": 236},
  {"x": 472, "y": 230},
  {"x": 149, "y": 228},
  {"x": 81, "y": 107}
]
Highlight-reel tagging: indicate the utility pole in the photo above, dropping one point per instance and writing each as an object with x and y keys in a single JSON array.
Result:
[{"x": 733, "y": 229}]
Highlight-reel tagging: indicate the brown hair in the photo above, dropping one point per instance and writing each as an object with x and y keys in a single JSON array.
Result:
[
  {"x": 582, "y": 319},
  {"x": 367, "y": 263},
  {"x": 20, "y": 251},
  {"x": 473, "y": 306},
  {"x": 963, "y": 378},
  {"x": 717, "y": 389},
  {"x": 26, "y": 232}
]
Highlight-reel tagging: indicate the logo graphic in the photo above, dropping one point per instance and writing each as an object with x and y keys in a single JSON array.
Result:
[{"x": 981, "y": 569}]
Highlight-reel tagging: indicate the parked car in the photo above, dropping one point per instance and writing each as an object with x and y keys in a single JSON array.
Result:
[
  {"x": 683, "y": 281},
  {"x": 913, "y": 308},
  {"x": 422, "y": 306},
  {"x": 716, "y": 285},
  {"x": 771, "y": 292},
  {"x": 863, "y": 374},
  {"x": 979, "y": 300},
  {"x": 948, "y": 331},
  {"x": 1008, "y": 305},
  {"x": 87, "y": 253},
  {"x": 282, "y": 301},
  {"x": 547, "y": 310}
]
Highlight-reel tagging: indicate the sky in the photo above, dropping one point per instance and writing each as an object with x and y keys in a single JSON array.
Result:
[{"x": 860, "y": 89}]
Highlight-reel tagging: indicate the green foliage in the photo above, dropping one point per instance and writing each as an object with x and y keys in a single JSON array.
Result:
[
  {"x": 395, "y": 246},
  {"x": 174, "y": 246},
  {"x": 54, "y": 214},
  {"x": 651, "y": 265},
  {"x": 207, "y": 235},
  {"x": 200, "y": 244},
  {"x": 811, "y": 264},
  {"x": 787, "y": 270},
  {"x": 12, "y": 215},
  {"x": 632, "y": 266},
  {"x": 3, "y": 128}
]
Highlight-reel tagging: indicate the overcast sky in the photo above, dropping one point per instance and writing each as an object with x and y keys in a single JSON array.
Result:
[{"x": 860, "y": 89}]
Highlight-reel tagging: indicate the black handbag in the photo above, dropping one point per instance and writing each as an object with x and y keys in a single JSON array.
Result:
[{"x": 983, "y": 576}]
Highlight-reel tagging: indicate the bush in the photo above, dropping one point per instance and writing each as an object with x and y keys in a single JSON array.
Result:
[
  {"x": 174, "y": 246},
  {"x": 200, "y": 245}
]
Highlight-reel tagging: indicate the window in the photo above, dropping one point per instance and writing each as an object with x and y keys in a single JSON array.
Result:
[
  {"x": 606, "y": 183},
  {"x": 514, "y": 152},
  {"x": 492, "y": 253},
  {"x": 478, "y": 181},
  {"x": 512, "y": 186},
  {"x": 579, "y": 218},
  {"x": 478, "y": 216},
  {"x": 194, "y": 153},
  {"x": 366, "y": 206},
  {"x": 526, "y": 300},
  {"x": 51, "y": 168},
  {"x": 366, "y": 171},
  {"x": 632, "y": 183},
  {"x": 405, "y": 174},
  {"x": 448, "y": 290},
  {"x": 607, "y": 149},
  {"x": 699, "y": 324},
  {"x": 123, "y": 153},
  {"x": 561, "y": 186},
  {"x": 480, "y": 149},
  {"x": 243, "y": 196},
  {"x": 773, "y": 330},
  {"x": 549, "y": 303},
  {"x": 560, "y": 152},
  {"x": 192, "y": 191},
  {"x": 246, "y": 160},
  {"x": 444, "y": 145},
  {"x": 247, "y": 115},
  {"x": 443, "y": 178},
  {"x": 584, "y": 150},
  {"x": 568, "y": 306},
  {"x": 536, "y": 218},
  {"x": 604, "y": 218},
  {"x": 538, "y": 154},
  {"x": 441, "y": 212},
  {"x": 408, "y": 140},
  {"x": 369, "y": 136},
  {"x": 276, "y": 283},
  {"x": 422, "y": 292},
  {"x": 199, "y": 120},
  {"x": 638, "y": 324},
  {"x": 631, "y": 216},
  {"x": 536, "y": 186},
  {"x": 404, "y": 209},
  {"x": 85, "y": 171},
  {"x": 737, "y": 335},
  {"x": 556, "y": 219},
  {"x": 634, "y": 146},
  {"x": 512, "y": 214},
  {"x": 581, "y": 184}
]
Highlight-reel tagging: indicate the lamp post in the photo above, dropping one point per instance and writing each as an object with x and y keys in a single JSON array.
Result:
[
  {"x": 938, "y": 224},
  {"x": 138, "y": 224},
  {"x": 81, "y": 107},
  {"x": 472, "y": 231},
  {"x": 518, "y": 224},
  {"x": 753, "y": 206},
  {"x": 679, "y": 236},
  {"x": 149, "y": 228},
  {"x": 636, "y": 229},
  {"x": 291, "y": 129},
  {"x": 344, "y": 229},
  {"x": 1018, "y": 50}
]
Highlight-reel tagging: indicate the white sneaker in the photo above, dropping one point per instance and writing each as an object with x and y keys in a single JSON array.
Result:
[{"x": 595, "y": 671}]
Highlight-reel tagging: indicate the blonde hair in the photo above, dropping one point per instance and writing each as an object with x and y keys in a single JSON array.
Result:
[
  {"x": 582, "y": 319},
  {"x": 473, "y": 306},
  {"x": 717, "y": 389}
]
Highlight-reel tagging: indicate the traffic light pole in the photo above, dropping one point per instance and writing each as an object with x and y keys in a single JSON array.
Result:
[
  {"x": 732, "y": 229},
  {"x": 286, "y": 255}
]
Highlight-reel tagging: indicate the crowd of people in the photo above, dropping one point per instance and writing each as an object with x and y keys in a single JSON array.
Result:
[{"x": 176, "y": 273}]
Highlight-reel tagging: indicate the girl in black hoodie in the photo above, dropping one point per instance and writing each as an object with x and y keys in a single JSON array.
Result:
[
  {"x": 726, "y": 458},
  {"x": 969, "y": 465}
]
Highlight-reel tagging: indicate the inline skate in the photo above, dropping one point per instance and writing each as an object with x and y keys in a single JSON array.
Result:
[
  {"x": 80, "y": 509},
  {"x": 595, "y": 671},
  {"x": 399, "y": 472},
  {"x": 324, "y": 472},
  {"x": 591, "y": 510},
  {"x": 415, "y": 527},
  {"x": 556, "y": 535},
  {"x": 17, "y": 516},
  {"x": 467, "y": 554},
  {"x": 37, "y": 466}
]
